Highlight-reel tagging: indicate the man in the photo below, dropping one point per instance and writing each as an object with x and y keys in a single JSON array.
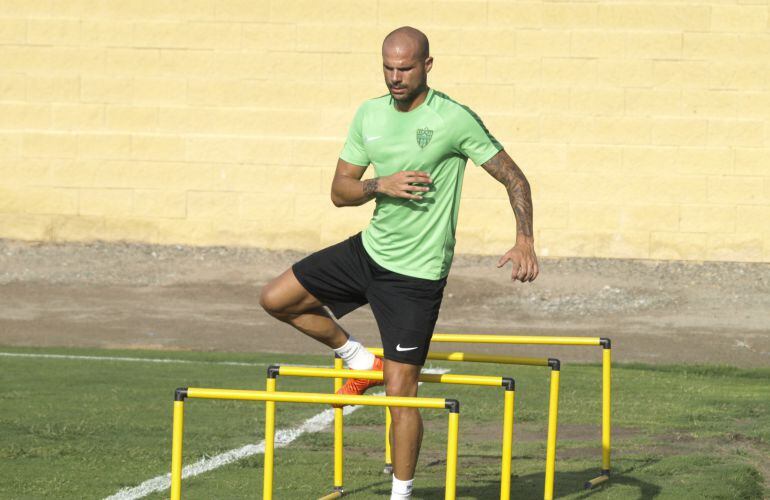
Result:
[{"x": 419, "y": 141}]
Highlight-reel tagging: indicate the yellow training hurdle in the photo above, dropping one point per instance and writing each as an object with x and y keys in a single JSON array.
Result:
[
  {"x": 553, "y": 402},
  {"x": 309, "y": 398},
  {"x": 476, "y": 380},
  {"x": 606, "y": 346}
]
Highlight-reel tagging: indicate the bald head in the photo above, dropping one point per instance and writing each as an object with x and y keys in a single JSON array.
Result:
[
  {"x": 407, "y": 41},
  {"x": 406, "y": 62}
]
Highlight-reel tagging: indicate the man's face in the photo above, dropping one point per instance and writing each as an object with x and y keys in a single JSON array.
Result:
[{"x": 406, "y": 73}]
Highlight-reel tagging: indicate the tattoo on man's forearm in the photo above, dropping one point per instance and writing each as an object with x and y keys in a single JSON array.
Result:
[
  {"x": 505, "y": 170},
  {"x": 370, "y": 186}
]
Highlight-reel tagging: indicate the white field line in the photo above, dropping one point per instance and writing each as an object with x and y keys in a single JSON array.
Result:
[
  {"x": 283, "y": 438},
  {"x": 133, "y": 360}
]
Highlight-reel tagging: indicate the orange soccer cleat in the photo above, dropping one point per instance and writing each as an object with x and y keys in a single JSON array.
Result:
[{"x": 357, "y": 386}]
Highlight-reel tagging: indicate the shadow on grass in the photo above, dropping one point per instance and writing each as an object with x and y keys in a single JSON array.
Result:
[{"x": 526, "y": 486}]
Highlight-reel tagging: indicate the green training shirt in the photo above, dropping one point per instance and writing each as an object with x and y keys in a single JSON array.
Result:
[{"x": 417, "y": 237}]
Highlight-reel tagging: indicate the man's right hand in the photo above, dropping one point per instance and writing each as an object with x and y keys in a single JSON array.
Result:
[{"x": 399, "y": 185}]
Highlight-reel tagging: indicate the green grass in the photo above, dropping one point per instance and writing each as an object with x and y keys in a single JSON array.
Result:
[{"x": 85, "y": 429}]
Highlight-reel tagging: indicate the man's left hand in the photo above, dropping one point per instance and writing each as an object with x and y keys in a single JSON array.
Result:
[{"x": 524, "y": 261}]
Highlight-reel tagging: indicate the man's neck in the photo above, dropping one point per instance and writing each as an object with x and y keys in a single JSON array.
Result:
[{"x": 405, "y": 107}]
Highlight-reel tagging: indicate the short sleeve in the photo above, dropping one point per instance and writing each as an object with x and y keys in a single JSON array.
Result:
[
  {"x": 474, "y": 140},
  {"x": 353, "y": 151}
]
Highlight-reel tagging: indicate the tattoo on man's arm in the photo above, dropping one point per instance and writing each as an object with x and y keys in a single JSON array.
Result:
[
  {"x": 370, "y": 186},
  {"x": 505, "y": 170}
]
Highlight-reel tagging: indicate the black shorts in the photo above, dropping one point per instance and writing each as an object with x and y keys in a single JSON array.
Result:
[{"x": 343, "y": 277}]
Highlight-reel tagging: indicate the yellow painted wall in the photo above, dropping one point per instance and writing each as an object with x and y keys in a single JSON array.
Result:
[{"x": 644, "y": 127}]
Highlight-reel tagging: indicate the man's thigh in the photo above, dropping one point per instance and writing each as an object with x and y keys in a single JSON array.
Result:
[
  {"x": 337, "y": 275},
  {"x": 406, "y": 311}
]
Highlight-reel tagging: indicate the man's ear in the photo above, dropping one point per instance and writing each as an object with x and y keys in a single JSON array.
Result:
[{"x": 428, "y": 64}]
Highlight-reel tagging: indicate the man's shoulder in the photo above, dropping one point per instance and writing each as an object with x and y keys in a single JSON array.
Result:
[
  {"x": 375, "y": 103},
  {"x": 450, "y": 108},
  {"x": 442, "y": 99}
]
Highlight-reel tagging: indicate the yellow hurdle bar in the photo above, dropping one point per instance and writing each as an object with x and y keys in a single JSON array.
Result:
[
  {"x": 176, "y": 449},
  {"x": 550, "y": 459},
  {"x": 480, "y": 338},
  {"x": 306, "y": 397},
  {"x": 476, "y": 358},
  {"x": 606, "y": 389},
  {"x": 596, "y": 481},
  {"x": 451, "y": 456},
  {"x": 435, "y": 378},
  {"x": 550, "y": 450},
  {"x": 312, "y": 397},
  {"x": 267, "y": 483},
  {"x": 606, "y": 418},
  {"x": 388, "y": 469},
  {"x": 338, "y": 434},
  {"x": 505, "y": 473},
  {"x": 605, "y": 343},
  {"x": 476, "y": 380}
]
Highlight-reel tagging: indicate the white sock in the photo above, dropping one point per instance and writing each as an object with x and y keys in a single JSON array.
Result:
[
  {"x": 401, "y": 489},
  {"x": 355, "y": 355}
]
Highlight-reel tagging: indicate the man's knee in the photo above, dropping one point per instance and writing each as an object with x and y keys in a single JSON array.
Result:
[
  {"x": 401, "y": 379},
  {"x": 284, "y": 297},
  {"x": 397, "y": 386},
  {"x": 270, "y": 299}
]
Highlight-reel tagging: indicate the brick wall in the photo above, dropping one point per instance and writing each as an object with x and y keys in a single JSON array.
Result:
[{"x": 644, "y": 127}]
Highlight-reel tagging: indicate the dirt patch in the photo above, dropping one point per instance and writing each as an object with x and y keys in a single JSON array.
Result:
[
  {"x": 753, "y": 449},
  {"x": 678, "y": 443},
  {"x": 175, "y": 297}
]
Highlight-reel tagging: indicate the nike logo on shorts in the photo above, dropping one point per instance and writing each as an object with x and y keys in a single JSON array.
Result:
[
  {"x": 402, "y": 349},
  {"x": 370, "y": 139}
]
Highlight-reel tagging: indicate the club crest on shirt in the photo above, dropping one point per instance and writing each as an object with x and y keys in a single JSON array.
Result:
[{"x": 423, "y": 136}]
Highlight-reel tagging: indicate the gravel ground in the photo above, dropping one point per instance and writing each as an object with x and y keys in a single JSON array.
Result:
[{"x": 179, "y": 297}]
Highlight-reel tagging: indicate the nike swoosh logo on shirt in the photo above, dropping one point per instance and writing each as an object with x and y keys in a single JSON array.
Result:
[
  {"x": 370, "y": 139},
  {"x": 399, "y": 348}
]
